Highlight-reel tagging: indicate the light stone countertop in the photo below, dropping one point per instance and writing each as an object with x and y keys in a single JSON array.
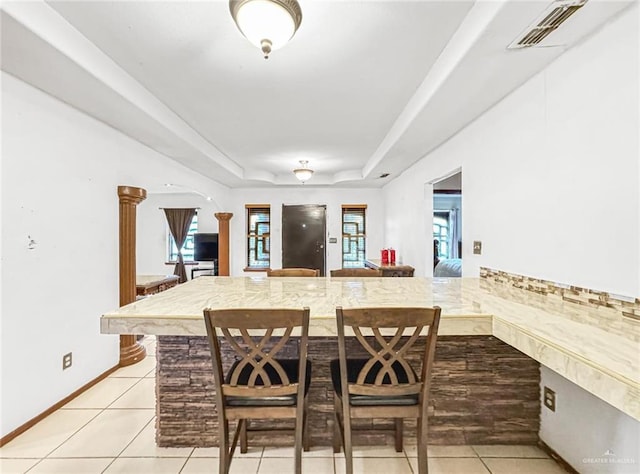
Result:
[{"x": 597, "y": 349}]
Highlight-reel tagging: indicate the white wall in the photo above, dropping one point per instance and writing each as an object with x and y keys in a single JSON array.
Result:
[
  {"x": 552, "y": 189},
  {"x": 550, "y": 173},
  {"x": 591, "y": 435},
  {"x": 60, "y": 172},
  {"x": 332, "y": 198}
]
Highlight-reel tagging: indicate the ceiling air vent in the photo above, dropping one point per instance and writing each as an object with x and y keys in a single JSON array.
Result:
[{"x": 556, "y": 14}]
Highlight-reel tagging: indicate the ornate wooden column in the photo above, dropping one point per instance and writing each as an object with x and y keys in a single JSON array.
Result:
[
  {"x": 130, "y": 350},
  {"x": 223, "y": 242}
]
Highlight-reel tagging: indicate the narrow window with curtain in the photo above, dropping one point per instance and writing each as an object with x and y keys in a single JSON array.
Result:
[
  {"x": 258, "y": 233},
  {"x": 187, "y": 249},
  {"x": 353, "y": 235},
  {"x": 179, "y": 221}
]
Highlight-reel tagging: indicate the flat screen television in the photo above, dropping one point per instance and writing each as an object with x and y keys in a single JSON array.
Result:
[{"x": 205, "y": 247}]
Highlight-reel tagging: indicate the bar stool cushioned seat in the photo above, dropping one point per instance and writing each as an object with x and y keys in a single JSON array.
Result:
[
  {"x": 290, "y": 366},
  {"x": 354, "y": 366}
]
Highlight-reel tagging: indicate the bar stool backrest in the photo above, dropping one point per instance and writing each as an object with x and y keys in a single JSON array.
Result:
[
  {"x": 293, "y": 272},
  {"x": 257, "y": 336},
  {"x": 388, "y": 350},
  {"x": 356, "y": 272}
]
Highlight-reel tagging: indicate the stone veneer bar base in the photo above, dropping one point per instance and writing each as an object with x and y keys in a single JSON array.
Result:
[{"x": 483, "y": 392}]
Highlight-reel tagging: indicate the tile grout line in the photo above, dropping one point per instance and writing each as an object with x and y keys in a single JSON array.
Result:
[
  {"x": 406, "y": 457},
  {"x": 184, "y": 464},
  {"x": 485, "y": 464},
  {"x": 124, "y": 393}
]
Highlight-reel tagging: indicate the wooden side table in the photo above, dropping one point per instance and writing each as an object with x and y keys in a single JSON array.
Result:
[
  {"x": 152, "y": 284},
  {"x": 390, "y": 270}
]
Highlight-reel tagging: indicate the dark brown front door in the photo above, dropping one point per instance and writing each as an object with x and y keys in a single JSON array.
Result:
[{"x": 303, "y": 236}]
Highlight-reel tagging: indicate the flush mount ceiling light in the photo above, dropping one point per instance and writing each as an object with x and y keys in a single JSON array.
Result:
[
  {"x": 268, "y": 24},
  {"x": 303, "y": 173}
]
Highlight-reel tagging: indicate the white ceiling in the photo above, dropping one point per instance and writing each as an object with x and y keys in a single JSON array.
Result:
[{"x": 363, "y": 88}]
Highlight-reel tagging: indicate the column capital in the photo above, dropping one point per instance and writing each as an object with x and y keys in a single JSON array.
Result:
[
  {"x": 223, "y": 216},
  {"x": 131, "y": 195}
]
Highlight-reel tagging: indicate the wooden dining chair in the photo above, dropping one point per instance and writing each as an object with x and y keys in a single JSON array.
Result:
[
  {"x": 356, "y": 272},
  {"x": 383, "y": 384},
  {"x": 293, "y": 272},
  {"x": 258, "y": 385}
]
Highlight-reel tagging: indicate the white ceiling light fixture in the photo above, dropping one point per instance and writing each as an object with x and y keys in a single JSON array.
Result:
[
  {"x": 268, "y": 24},
  {"x": 303, "y": 173}
]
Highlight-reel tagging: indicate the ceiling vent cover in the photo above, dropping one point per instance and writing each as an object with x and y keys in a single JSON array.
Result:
[{"x": 556, "y": 14}]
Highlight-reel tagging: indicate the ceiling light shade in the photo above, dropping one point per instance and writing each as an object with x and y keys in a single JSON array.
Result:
[
  {"x": 268, "y": 24},
  {"x": 303, "y": 173}
]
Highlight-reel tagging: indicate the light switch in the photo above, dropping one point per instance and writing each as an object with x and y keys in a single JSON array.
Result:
[{"x": 477, "y": 247}]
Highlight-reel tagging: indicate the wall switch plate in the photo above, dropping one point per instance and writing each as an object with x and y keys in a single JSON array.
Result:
[
  {"x": 67, "y": 360},
  {"x": 549, "y": 398},
  {"x": 477, "y": 247},
  {"x": 333, "y": 240}
]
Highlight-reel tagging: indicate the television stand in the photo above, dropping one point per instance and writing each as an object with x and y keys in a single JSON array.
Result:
[{"x": 212, "y": 270}]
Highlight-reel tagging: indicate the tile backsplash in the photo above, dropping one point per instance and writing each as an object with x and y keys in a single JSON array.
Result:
[{"x": 629, "y": 307}]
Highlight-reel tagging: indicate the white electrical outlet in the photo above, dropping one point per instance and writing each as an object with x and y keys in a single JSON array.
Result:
[
  {"x": 549, "y": 398},
  {"x": 67, "y": 360}
]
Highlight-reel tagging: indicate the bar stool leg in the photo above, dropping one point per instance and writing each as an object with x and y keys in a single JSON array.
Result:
[
  {"x": 224, "y": 448},
  {"x": 244, "y": 447},
  {"x": 306, "y": 445},
  {"x": 348, "y": 451},
  {"x": 423, "y": 467},
  {"x": 399, "y": 427},
  {"x": 300, "y": 422},
  {"x": 337, "y": 431}
]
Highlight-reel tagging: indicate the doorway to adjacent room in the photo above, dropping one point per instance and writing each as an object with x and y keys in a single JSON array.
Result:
[{"x": 447, "y": 226}]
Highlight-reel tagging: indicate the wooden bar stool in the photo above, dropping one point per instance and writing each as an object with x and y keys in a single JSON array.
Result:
[
  {"x": 384, "y": 384},
  {"x": 258, "y": 385}
]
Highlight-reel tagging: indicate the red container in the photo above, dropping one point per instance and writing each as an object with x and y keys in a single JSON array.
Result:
[
  {"x": 385, "y": 256},
  {"x": 392, "y": 256}
]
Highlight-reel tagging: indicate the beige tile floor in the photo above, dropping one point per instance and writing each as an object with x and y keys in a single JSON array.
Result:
[{"x": 110, "y": 429}]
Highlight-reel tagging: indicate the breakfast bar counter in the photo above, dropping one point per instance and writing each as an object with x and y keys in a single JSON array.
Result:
[
  {"x": 179, "y": 311},
  {"x": 492, "y": 336}
]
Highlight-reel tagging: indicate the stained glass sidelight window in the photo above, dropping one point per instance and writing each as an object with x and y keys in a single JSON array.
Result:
[
  {"x": 353, "y": 235},
  {"x": 258, "y": 229}
]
